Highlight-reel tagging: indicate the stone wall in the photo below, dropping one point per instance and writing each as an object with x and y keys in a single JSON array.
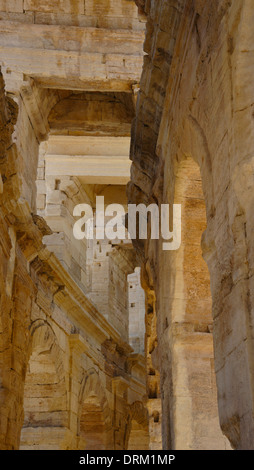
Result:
[
  {"x": 196, "y": 101},
  {"x": 136, "y": 301},
  {"x": 70, "y": 347},
  {"x": 153, "y": 377},
  {"x": 61, "y": 357},
  {"x": 101, "y": 14}
]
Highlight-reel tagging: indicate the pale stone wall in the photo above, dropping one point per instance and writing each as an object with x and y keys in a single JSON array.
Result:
[
  {"x": 60, "y": 357},
  {"x": 196, "y": 101},
  {"x": 136, "y": 301},
  {"x": 153, "y": 377},
  {"x": 71, "y": 72},
  {"x": 99, "y": 267},
  {"x": 99, "y": 13}
]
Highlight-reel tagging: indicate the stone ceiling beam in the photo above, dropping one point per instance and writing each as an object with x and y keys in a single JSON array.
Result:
[
  {"x": 88, "y": 145},
  {"x": 71, "y": 38},
  {"x": 85, "y": 113},
  {"x": 71, "y": 57},
  {"x": 94, "y": 160},
  {"x": 92, "y": 169}
]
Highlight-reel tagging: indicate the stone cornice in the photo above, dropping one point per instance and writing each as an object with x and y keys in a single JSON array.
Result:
[{"x": 79, "y": 307}]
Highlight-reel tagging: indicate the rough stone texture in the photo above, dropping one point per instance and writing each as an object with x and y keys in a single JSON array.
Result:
[
  {"x": 68, "y": 377},
  {"x": 153, "y": 377},
  {"x": 136, "y": 300},
  {"x": 196, "y": 102},
  {"x": 74, "y": 320}
]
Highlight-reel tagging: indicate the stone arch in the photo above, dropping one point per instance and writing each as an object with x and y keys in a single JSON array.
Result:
[
  {"x": 211, "y": 188},
  {"x": 192, "y": 286},
  {"x": 194, "y": 384},
  {"x": 192, "y": 271},
  {"x": 94, "y": 415},
  {"x": 45, "y": 394},
  {"x": 195, "y": 147},
  {"x": 185, "y": 303},
  {"x": 137, "y": 435}
]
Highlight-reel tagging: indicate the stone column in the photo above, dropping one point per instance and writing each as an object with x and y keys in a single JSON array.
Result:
[
  {"x": 153, "y": 402},
  {"x": 77, "y": 348},
  {"x": 119, "y": 389},
  {"x": 17, "y": 289},
  {"x": 136, "y": 301}
]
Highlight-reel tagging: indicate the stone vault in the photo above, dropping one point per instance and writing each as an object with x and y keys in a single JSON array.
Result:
[{"x": 106, "y": 344}]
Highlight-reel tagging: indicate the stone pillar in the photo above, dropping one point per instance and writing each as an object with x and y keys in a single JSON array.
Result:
[
  {"x": 136, "y": 300},
  {"x": 153, "y": 402},
  {"x": 120, "y": 422},
  {"x": 17, "y": 289},
  {"x": 16, "y": 356},
  {"x": 77, "y": 348},
  {"x": 56, "y": 199}
]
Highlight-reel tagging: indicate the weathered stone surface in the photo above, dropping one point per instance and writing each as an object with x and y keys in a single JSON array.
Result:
[
  {"x": 65, "y": 382},
  {"x": 87, "y": 359},
  {"x": 196, "y": 98}
]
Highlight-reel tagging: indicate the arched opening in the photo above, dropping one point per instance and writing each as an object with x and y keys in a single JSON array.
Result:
[
  {"x": 195, "y": 391},
  {"x": 45, "y": 405},
  {"x": 137, "y": 430},
  {"x": 94, "y": 422},
  {"x": 192, "y": 275}
]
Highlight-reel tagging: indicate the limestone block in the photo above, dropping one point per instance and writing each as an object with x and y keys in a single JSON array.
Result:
[
  {"x": 41, "y": 173},
  {"x": 55, "y": 239},
  {"x": 54, "y": 210},
  {"x": 37, "y": 313},
  {"x": 41, "y": 187},
  {"x": 44, "y": 64},
  {"x": 21, "y": 17},
  {"x": 75, "y": 269},
  {"x": 120, "y": 72},
  {"x": 111, "y": 8},
  {"x": 44, "y": 302},
  {"x": 41, "y": 201},
  {"x": 61, "y": 319},
  {"x": 11, "y": 6},
  {"x": 74, "y": 39},
  {"x": 63, "y": 6},
  {"x": 43, "y": 438},
  {"x": 56, "y": 197}
]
